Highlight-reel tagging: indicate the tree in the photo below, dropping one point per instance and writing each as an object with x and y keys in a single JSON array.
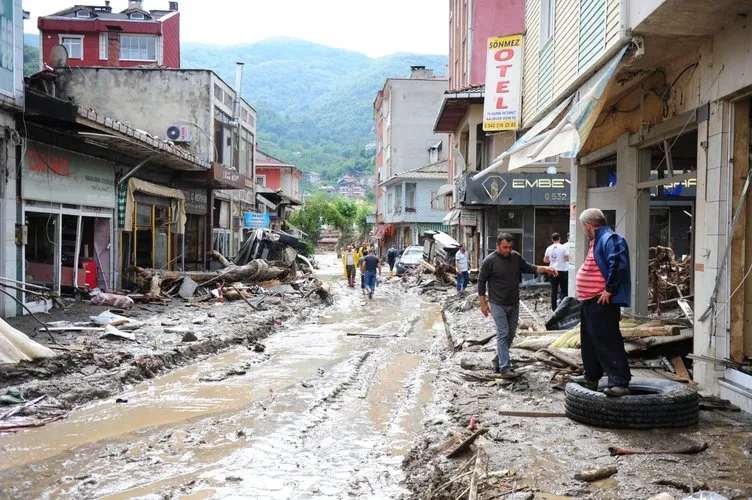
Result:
[{"x": 347, "y": 216}]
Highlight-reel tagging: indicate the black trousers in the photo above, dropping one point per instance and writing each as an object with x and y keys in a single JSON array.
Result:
[
  {"x": 602, "y": 344},
  {"x": 559, "y": 283}
]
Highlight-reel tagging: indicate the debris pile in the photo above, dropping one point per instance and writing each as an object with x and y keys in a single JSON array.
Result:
[{"x": 669, "y": 279}]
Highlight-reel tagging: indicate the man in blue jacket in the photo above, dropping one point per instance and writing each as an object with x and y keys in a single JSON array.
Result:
[{"x": 604, "y": 286}]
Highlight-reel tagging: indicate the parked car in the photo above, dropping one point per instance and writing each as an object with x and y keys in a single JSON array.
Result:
[
  {"x": 410, "y": 259},
  {"x": 439, "y": 246}
]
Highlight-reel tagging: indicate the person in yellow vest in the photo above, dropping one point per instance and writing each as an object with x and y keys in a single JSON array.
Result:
[{"x": 350, "y": 259}]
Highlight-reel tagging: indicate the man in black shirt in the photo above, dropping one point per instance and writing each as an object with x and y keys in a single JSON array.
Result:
[
  {"x": 501, "y": 272},
  {"x": 368, "y": 268}
]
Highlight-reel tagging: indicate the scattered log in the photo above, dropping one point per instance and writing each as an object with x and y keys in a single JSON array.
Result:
[
  {"x": 477, "y": 470},
  {"x": 534, "y": 414},
  {"x": 591, "y": 475},
  {"x": 689, "y": 450},
  {"x": 680, "y": 369},
  {"x": 244, "y": 297},
  {"x": 465, "y": 445},
  {"x": 650, "y": 331}
]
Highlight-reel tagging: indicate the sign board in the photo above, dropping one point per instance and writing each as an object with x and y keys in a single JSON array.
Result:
[
  {"x": 228, "y": 177},
  {"x": 468, "y": 218},
  {"x": 253, "y": 220},
  {"x": 7, "y": 47},
  {"x": 196, "y": 201},
  {"x": 58, "y": 176},
  {"x": 502, "y": 105},
  {"x": 518, "y": 189}
]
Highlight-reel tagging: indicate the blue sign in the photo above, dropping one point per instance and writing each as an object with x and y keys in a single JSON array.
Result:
[{"x": 253, "y": 220}]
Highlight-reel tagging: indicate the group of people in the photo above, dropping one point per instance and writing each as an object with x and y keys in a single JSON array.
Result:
[
  {"x": 603, "y": 284},
  {"x": 364, "y": 259}
]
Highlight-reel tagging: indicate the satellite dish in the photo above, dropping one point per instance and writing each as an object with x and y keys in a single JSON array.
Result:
[{"x": 58, "y": 56}]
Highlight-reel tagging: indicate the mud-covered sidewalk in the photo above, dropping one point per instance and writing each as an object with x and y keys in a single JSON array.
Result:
[
  {"x": 88, "y": 367},
  {"x": 539, "y": 455}
]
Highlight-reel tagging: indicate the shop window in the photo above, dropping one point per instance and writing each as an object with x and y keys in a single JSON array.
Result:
[
  {"x": 152, "y": 235},
  {"x": 602, "y": 174},
  {"x": 511, "y": 218}
]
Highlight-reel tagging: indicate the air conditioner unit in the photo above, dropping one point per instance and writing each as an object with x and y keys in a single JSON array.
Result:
[{"x": 179, "y": 133}]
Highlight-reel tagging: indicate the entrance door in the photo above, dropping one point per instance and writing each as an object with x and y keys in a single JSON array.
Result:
[
  {"x": 152, "y": 235},
  {"x": 547, "y": 222}
]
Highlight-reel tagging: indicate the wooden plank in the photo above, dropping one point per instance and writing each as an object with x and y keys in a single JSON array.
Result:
[
  {"x": 651, "y": 331},
  {"x": 737, "y": 264},
  {"x": 679, "y": 368}
]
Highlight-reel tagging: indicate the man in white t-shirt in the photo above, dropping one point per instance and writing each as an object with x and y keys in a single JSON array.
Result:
[
  {"x": 557, "y": 256},
  {"x": 463, "y": 268}
]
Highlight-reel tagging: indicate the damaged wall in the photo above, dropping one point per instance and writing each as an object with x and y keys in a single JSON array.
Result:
[{"x": 146, "y": 99}]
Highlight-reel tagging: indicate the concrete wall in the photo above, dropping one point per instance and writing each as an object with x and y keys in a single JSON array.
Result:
[
  {"x": 491, "y": 18},
  {"x": 8, "y": 206},
  {"x": 414, "y": 104},
  {"x": 147, "y": 99}
]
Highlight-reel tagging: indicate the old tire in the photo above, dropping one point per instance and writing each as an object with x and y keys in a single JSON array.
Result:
[{"x": 652, "y": 404}]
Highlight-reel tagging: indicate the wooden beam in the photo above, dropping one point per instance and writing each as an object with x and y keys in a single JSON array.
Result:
[{"x": 737, "y": 263}]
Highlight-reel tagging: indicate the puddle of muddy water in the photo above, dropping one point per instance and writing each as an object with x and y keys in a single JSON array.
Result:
[{"x": 346, "y": 430}]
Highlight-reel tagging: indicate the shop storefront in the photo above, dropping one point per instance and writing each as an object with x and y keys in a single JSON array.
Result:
[
  {"x": 194, "y": 251},
  {"x": 153, "y": 223},
  {"x": 68, "y": 206},
  {"x": 530, "y": 207}
]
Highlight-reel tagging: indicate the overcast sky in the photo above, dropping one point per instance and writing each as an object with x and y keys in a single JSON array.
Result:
[{"x": 373, "y": 28}]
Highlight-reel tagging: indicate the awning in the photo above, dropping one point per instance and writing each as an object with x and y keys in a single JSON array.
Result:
[
  {"x": 452, "y": 218},
  {"x": 454, "y": 107},
  {"x": 141, "y": 186},
  {"x": 444, "y": 190},
  {"x": 570, "y": 134}
]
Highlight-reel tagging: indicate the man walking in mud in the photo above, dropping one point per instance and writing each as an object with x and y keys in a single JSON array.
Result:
[
  {"x": 557, "y": 256},
  {"x": 391, "y": 258},
  {"x": 603, "y": 285},
  {"x": 369, "y": 268},
  {"x": 500, "y": 274}
]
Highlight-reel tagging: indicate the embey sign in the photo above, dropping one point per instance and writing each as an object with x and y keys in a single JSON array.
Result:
[{"x": 518, "y": 189}]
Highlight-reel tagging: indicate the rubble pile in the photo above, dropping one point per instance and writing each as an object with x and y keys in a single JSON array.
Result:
[{"x": 669, "y": 278}]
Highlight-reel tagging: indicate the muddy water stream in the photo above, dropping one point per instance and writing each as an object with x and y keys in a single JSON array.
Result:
[{"x": 328, "y": 411}]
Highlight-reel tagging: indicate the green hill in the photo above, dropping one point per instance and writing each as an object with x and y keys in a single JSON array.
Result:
[{"x": 314, "y": 102}]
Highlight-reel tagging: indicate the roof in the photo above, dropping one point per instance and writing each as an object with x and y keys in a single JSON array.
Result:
[
  {"x": 433, "y": 171},
  {"x": 266, "y": 160},
  {"x": 99, "y": 12},
  {"x": 455, "y": 105}
]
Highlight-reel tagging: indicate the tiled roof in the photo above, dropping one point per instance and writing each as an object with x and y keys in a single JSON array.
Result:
[
  {"x": 100, "y": 13},
  {"x": 470, "y": 89},
  {"x": 267, "y": 160}
]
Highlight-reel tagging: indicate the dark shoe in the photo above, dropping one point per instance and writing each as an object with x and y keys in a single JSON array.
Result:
[
  {"x": 584, "y": 382},
  {"x": 370, "y": 295},
  {"x": 616, "y": 392},
  {"x": 509, "y": 374}
]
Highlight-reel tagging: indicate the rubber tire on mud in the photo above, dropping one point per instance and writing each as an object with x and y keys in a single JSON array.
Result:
[{"x": 658, "y": 403}]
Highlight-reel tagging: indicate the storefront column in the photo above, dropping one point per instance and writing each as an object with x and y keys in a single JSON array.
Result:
[
  {"x": 711, "y": 220},
  {"x": 632, "y": 167},
  {"x": 209, "y": 238},
  {"x": 578, "y": 242}
]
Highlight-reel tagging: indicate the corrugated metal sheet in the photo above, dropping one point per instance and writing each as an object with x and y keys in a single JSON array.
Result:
[
  {"x": 532, "y": 49},
  {"x": 546, "y": 74},
  {"x": 567, "y": 46},
  {"x": 592, "y": 32},
  {"x": 612, "y": 21}
]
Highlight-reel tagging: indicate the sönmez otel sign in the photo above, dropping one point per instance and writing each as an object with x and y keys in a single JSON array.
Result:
[{"x": 502, "y": 105}]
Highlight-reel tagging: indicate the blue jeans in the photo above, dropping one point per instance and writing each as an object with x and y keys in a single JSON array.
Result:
[
  {"x": 506, "y": 319},
  {"x": 462, "y": 280},
  {"x": 370, "y": 280}
]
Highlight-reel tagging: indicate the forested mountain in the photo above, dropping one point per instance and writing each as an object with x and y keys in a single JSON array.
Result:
[{"x": 314, "y": 102}]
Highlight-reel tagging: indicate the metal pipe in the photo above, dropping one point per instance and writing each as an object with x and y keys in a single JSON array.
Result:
[
  {"x": 134, "y": 169},
  {"x": 238, "y": 85}
]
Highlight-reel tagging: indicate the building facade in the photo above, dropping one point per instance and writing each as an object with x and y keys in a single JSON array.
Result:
[
  {"x": 404, "y": 111},
  {"x": 12, "y": 102},
  {"x": 97, "y": 36},
  {"x": 412, "y": 206},
  {"x": 278, "y": 188},
  {"x": 652, "y": 100},
  {"x": 201, "y": 114}
]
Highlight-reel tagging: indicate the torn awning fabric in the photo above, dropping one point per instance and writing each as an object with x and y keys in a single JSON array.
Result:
[
  {"x": 567, "y": 138},
  {"x": 140, "y": 186}
]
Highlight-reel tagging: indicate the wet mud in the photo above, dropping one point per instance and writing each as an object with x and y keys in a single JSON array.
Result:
[
  {"x": 538, "y": 457},
  {"x": 329, "y": 409}
]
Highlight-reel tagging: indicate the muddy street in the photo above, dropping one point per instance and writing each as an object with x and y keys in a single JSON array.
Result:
[{"x": 329, "y": 408}]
